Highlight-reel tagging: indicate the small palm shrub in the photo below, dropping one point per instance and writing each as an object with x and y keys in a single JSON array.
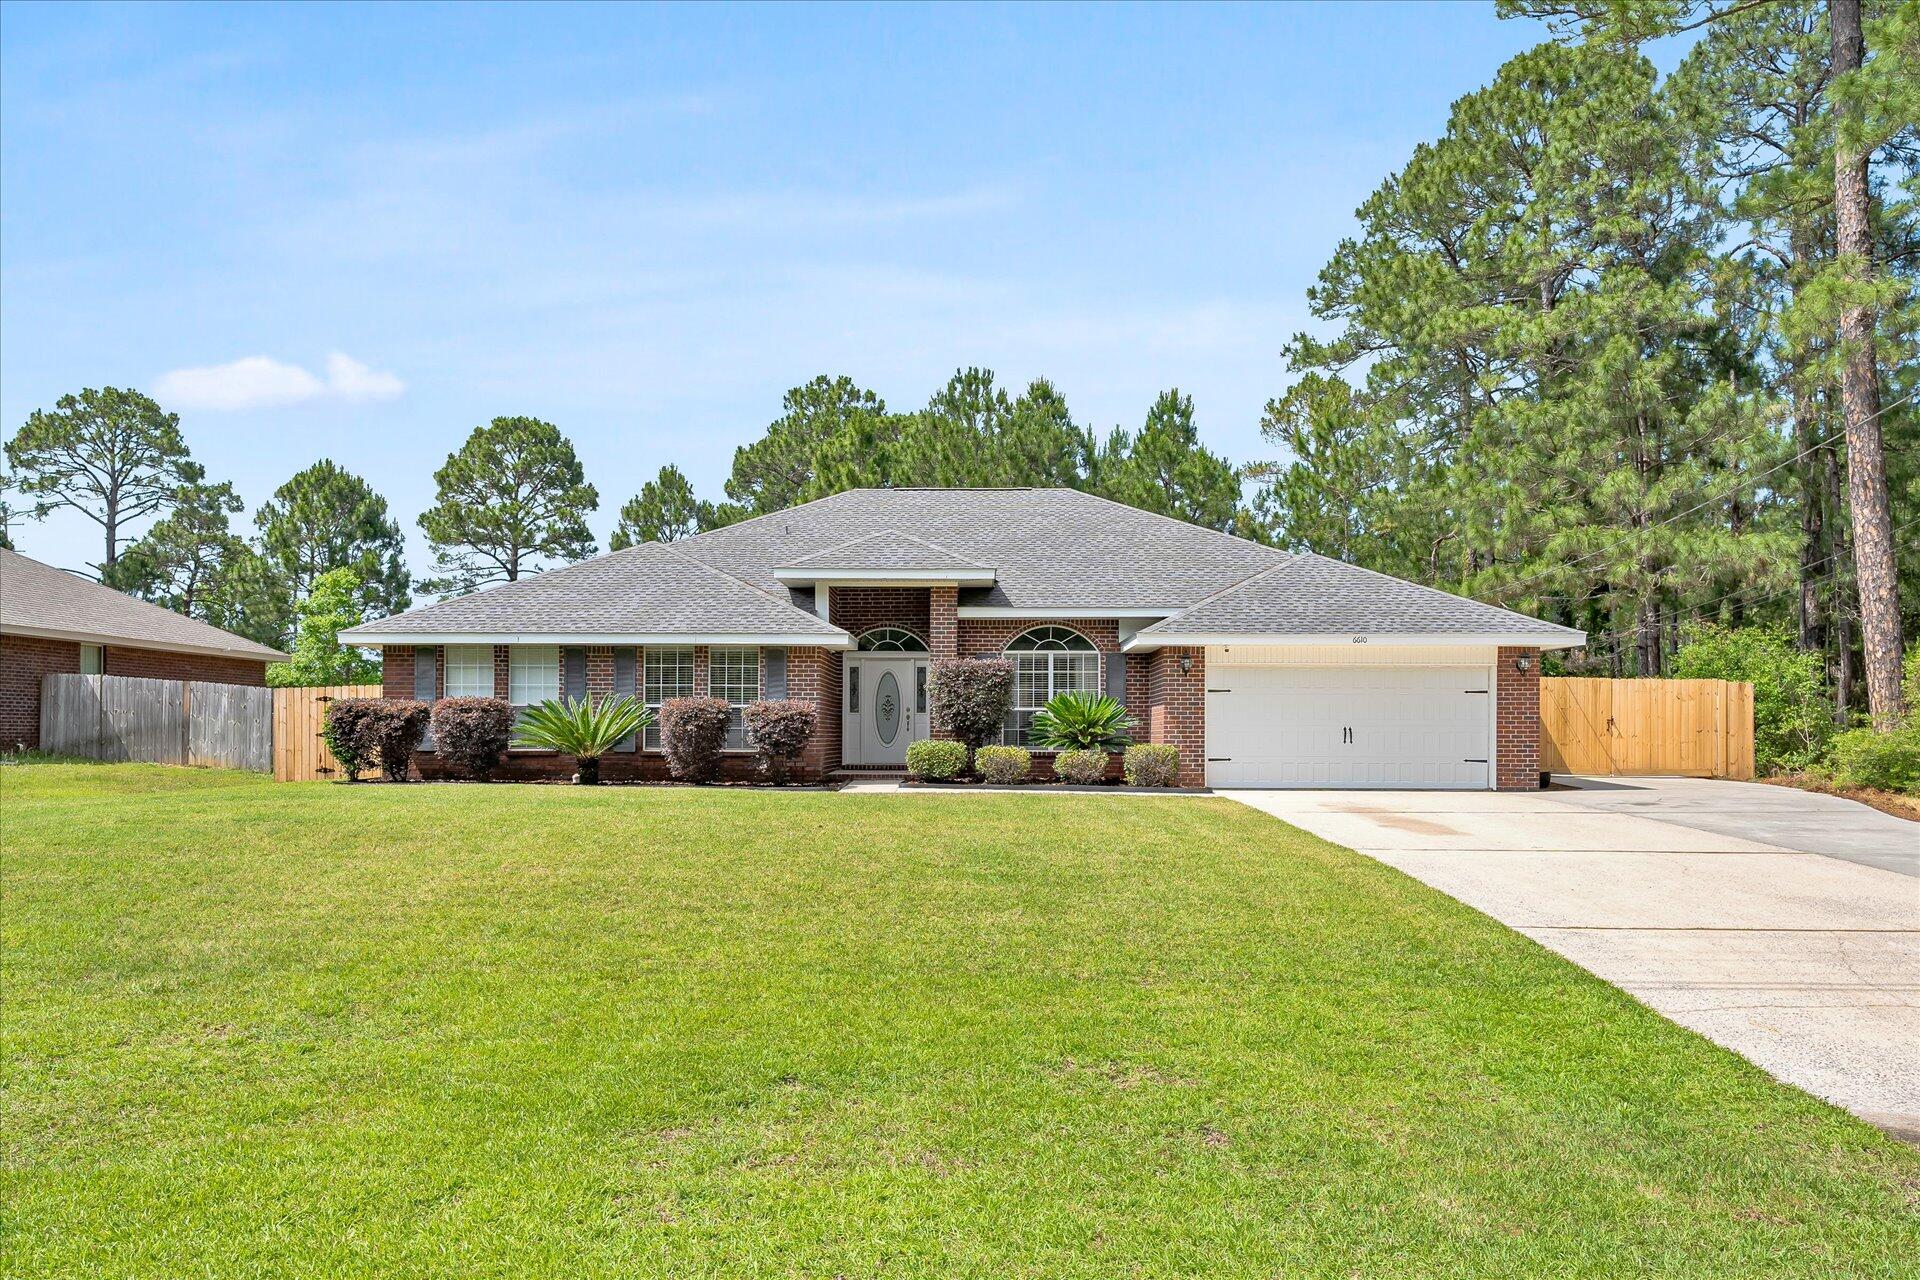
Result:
[
  {"x": 391, "y": 733},
  {"x": 1083, "y": 767},
  {"x": 778, "y": 729},
  {"x": 1003, "y": 765},
  {"x": 1883, "y": 761},
  {"x": 936, "y": 759},
  {"x": 1081, "y": 722},
  {"x": 970, "y": 697},
  {"x": 585, "y": 730},
  {"x": 693, "y": 733},
  {"x": 345, "y": 733},
  {"x": 1151, "y": 764},
  {"x": 471, "y": 733}
]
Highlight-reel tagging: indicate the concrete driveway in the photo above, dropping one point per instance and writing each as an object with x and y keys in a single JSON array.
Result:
[{"x": 1805, "y": 962}]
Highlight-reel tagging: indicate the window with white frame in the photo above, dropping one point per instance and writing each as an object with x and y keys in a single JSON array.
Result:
[
  {"x": 890, "y": 640},
  {"x": 734, "y": 675},
  {"x": 469, "y": 670},
  {"x": 1047, "y": 661},
  {"x": 533, "y": 674},
  {"x": 668, "y": 674}
]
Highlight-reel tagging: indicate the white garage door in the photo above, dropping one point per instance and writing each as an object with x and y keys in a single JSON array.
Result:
[{"x": 1315, "y": 726}]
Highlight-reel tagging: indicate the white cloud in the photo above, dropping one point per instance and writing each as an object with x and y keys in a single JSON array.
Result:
[{"x": 261, "y": 382}]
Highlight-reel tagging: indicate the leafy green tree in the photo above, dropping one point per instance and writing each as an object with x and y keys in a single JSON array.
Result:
[
  {"x": 512, "y": 495},
  {"x": 181, "y": 560},
  {"x": 112, "y": 455},
  {"x": 1166, "y": 469},
  {"x": 665, "y": 510},
  {"x": 325, "y": 518},
  {"x": 318, "y": 656},
  {"x": 1791, "y": 723},
  {"x": 830, "y": 436}
]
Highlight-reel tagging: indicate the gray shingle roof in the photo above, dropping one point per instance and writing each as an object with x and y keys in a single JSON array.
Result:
[
  {"x": 1312, "y": 595},
  {"x": 651, "y": 589},
  {"x": 1051, "y": 548},
  {"x": 887, "y": 549},
  {"x": 37, "y": 598}
]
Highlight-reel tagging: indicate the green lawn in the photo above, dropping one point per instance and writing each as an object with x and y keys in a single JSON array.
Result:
[{"x": 259, "y": 1029}]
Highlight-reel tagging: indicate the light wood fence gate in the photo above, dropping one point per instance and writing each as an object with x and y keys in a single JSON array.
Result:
[
  {"x": 299, "y": 752},
  {"x": 1695, "y": 728},
  {"x": 190, "y": 722}
]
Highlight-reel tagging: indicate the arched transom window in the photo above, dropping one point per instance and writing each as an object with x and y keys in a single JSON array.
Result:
[
  {"x": 1046, "y": 661},
  {"x": 891, "y": 640}
]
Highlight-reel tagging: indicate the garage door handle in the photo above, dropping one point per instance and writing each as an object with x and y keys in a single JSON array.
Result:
[
  {"x": 1471, "y": 760},
  {"x": 1219, "y": 691},
  {"x": 1219, "y": 759}
]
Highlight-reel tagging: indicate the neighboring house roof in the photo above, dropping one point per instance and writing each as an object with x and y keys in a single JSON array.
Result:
[
  {"x": 1052, "y": 549},
  {"x": 1311, "y": 595},
  {"x": 651, "y": 593},
  {"x": 39, "y": 600}
]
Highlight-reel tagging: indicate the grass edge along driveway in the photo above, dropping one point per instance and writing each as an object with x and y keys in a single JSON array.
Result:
[{"x": 257, "y": 1029}]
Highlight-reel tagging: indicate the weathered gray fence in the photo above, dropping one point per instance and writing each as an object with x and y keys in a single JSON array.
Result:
[{"x": 162, "y": 721}]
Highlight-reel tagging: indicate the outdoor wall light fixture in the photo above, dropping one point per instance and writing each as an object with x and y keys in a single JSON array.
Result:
[
  {"x": 1186, "y": 664},
  {"x": 1523, "y": 663}
]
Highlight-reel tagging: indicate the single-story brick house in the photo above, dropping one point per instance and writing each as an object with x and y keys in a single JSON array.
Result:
[
  {"x": 1264, "y": 668},
  {"x": 53, "y": 622}
]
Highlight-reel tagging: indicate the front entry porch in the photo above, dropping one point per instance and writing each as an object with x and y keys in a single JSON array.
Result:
[{"x": 883, "y": 708}]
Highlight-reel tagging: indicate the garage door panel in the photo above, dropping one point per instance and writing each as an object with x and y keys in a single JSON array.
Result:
[{"x": 1277, "y": 726}]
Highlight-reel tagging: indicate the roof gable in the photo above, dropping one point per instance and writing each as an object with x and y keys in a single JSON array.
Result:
[
  {"x": 887, "y": 549},
  {"x": 38, "y": 599}
]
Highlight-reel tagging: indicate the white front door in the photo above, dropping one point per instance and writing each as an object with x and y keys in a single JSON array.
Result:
[
  {"x": 1317, "y": 726},
  {"x": 883, "y": 707}
]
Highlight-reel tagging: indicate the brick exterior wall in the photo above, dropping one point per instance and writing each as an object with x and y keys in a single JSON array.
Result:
[
  {"x": 25, "y": 659},
  {"x": 943, "y": 622},
  {"x": 990, "y": 636},
  {"x": 1177, "y": 709},
  {"x": 1516, "y": 748},
  {"x": 858, "y": 609}
]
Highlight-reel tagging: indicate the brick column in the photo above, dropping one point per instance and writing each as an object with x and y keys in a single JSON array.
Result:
[
  {"x": 396, "y": 671},
  {"x": 813, "y": 675},
  {"x": 1516, "y": 732},
  {"x": 1177, "y": 709},
  {"x": 599, "y": 673},
  {"x": 502, "y": 688},
  {"x": 700, "y": 683},
  {"x": 943, "y": 622}
]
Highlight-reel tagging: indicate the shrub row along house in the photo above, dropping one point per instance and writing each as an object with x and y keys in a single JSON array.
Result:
[
  {"x": 1262, "y": 667},
  {"x": 55, "y": 623}
]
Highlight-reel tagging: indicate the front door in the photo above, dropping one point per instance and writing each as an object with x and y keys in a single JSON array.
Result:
[{"x": 883, "y": 702}]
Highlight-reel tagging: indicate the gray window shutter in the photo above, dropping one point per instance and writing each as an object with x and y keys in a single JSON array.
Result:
[
  {"x": 1116, "y": 676},
  {"x": 426, "y": 673},
  {"x": 573, "y": 674},
  {"x": 625, "y": 685},
  {"x": 773, "y": 663}
]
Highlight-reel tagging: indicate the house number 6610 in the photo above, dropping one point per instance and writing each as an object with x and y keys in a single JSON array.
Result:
[{"x": 1359, "y": 639}]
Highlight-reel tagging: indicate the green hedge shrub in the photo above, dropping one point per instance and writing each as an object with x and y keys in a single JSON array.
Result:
[
  {"x": 1884, "y": 761},
  {"x": 346, "y": 734},
  {"x": 693, "y": 733},
  {"x": 1151, "y": 764},
  {"x": 392, "y": 732},
  {"x": 1792, "y": 716},
  {"x": 1003, "y": 766},
  {"x": 1083, "y": 767},
  {"x": 471, "y": 733},
  {"x": 936, "y": 759},
  {"x": 779, "y": 729}
]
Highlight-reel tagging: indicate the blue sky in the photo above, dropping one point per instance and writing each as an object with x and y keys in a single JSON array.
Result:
[{"x": 359, "y": 232}]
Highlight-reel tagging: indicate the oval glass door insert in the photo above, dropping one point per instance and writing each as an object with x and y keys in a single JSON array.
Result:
[{"x": 886, "y": 707}]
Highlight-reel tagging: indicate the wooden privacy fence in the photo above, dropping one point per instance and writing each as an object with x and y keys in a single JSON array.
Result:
[
  {"x": 299, "y": 752},
  {"x": 1696, "y": 728},
  {"x": 190, "y": 722}
]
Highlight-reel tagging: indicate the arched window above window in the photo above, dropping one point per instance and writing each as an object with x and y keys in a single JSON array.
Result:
[
  {"x": 891, "y": 640},
  {"x": 1047, "y": 661}
]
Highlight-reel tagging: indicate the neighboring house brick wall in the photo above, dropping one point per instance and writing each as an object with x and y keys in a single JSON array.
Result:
[
  {"x": 858, "y": 609},
  {"x": 1517, "y": 722},
  {"x": 156, "y": 664},
  {"x": 1177, "y": 709},
  {"x": 23, "y": 661},
  {"x": 396, "y": 671}
]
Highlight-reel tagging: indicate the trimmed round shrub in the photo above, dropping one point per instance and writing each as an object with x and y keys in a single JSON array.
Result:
[
  {"x": 970, "y": 697},
  {"x": 345, "y": 733},
  {"x": 1083, "y": 767},
  {"x": 1003, "y": 765},
  {"x": 779, "y": 729},
  {"x": 392, "y": 732},
  {"x": 471, "y": 734},
  {"x": 693, "y": 733},
  {"x": 1151, "y": 764},
  {"x": 936, "y": 759},
  {"x": 1883, "y": 761}
]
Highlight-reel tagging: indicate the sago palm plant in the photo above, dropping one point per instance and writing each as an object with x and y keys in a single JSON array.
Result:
[
  {"x": 1081, "y": 722},
  {"x": 585, "y": 730}
]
